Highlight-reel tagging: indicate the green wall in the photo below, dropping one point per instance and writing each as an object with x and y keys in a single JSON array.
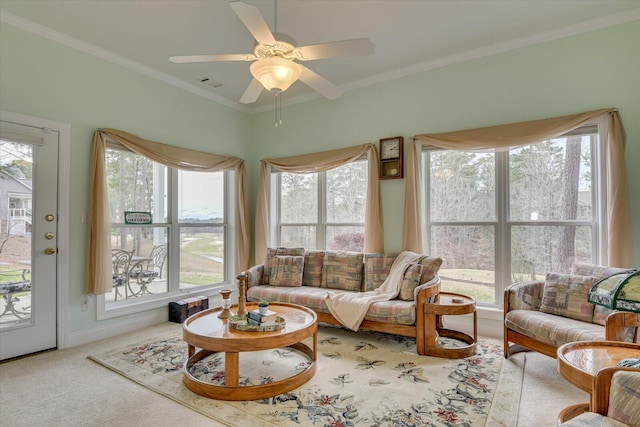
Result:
[
  {"x": 45, "y": 79},
  {"x": 571, "y": 75}
]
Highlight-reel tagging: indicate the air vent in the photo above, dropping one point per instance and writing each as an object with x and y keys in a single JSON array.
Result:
[{"x": 209, "y": 82}]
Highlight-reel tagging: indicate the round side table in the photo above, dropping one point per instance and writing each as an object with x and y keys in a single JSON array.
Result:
[{"x": 449, "y": 304}]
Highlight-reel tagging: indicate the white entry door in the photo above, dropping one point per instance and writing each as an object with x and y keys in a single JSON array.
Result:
[{"x": 28, "y": 236}]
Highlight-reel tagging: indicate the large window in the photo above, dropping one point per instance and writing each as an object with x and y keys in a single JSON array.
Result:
[
  {"x": 503, "y": 216},
  {"x": 324, "y": 210},
  {"x": 185, "y": 246}
]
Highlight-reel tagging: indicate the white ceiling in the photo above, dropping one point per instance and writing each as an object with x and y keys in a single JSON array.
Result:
[{"x": 410, "y": 35}]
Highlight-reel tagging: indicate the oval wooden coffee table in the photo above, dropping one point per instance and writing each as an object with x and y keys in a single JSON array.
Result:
[{"x": 205, "y": 331}]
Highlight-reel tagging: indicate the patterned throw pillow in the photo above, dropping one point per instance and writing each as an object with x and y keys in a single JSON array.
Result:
[
  {"x": 600, "y": 313},
  {"x": 287, "y": 271},
  {"x": 312, "y": 275},
  {"x": 566, "y": 295},
  {"x": 342, "y": 270},
  {"x": 410, "y": 281},
  {"x": 430, "y": 267},
  {"x": 376, "y": 269},
  {"x": 270, "y": 259}
]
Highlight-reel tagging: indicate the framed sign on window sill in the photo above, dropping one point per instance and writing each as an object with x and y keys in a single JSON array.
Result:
[{"x": 391, "y": 156}]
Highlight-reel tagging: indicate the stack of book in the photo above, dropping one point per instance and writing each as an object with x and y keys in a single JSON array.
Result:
[{"x": 254, "y": 317}]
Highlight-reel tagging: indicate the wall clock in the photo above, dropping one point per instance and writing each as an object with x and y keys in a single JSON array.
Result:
[{"x": 391, "y": 155}]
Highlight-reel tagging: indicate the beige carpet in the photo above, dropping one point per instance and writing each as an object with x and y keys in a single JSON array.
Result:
[
  {"x": 362, "y": 379},
  {"x": 64, "y": 388}
]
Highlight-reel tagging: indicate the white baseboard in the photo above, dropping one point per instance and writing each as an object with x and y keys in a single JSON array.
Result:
[{"x": 151, "y": 318}]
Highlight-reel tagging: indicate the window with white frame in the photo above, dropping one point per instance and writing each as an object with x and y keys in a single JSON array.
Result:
[
  {"x": 498, "y": 217},
  {"x": 323, "y": 210},
  {"x": 183, "y": 248}
]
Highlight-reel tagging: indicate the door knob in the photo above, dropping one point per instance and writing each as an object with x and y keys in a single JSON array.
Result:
[{"x": 49, "y": 251}]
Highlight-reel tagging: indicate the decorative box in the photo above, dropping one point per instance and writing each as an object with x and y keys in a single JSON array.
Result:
[{"x": 180, "y": 310}]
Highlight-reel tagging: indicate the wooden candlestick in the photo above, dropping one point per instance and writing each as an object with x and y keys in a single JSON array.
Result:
[{"x": 242, "y": 288}]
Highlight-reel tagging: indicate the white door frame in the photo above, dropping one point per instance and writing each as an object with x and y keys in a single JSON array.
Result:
[{"x": 64, "y": 166}]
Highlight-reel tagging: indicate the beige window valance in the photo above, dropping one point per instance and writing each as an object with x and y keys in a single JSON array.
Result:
[
  {"x": 319, "y": 162},
  {"x": 99, "y": 265},
  {"x": 620, "y": 247}
]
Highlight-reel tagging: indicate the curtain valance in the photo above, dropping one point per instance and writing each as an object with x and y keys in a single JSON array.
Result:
[
  {"x": 99, "y": 264},
  {"x": 319, "y": 162},
  {"x": 620, "y": 246}
]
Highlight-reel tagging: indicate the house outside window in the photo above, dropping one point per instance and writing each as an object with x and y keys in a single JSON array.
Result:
[
  {"x": 324, "y": 210},
  {"x": 184, "y": 247},
  {"x": 498, "y": 217}
]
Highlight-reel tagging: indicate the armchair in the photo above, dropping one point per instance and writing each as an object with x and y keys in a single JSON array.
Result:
[
  {"x": 145, "y": 270},
  {"x": 614, "y": 401}
]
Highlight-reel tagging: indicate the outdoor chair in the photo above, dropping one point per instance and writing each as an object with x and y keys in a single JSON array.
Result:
[
  {"x": 120, "y": 261},
  {"x": 13, "y": 282},
  {"x": 146, "y": 270}
]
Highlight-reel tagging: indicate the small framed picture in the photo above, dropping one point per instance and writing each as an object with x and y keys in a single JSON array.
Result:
[{"x": 391, "y": 156}]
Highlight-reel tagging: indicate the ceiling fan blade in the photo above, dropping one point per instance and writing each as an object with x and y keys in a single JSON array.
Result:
[
  {"x": 319, "y": 83},
  {"x": 212, "y": 58},
  {"x": 354, "y": 47},
  {"x": 252, "y": 93},
  {"x": 253, "y": 20}
]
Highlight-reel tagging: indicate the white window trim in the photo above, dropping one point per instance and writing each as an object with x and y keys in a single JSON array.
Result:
[
  {"x": 108, "y": 310},
  {"x": 502, "y": 223}
]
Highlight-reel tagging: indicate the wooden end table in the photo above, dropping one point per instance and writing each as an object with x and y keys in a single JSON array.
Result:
[
  {"x": 211, "y": 334},
  {"x": 449, "y": 304},
  {"x": 578, "y": 362}
]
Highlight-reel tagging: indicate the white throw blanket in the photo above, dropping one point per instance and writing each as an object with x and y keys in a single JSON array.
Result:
[{"x": 349, "y": 308}]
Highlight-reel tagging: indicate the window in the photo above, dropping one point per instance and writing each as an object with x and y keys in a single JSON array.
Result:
[
  {"x": 185, "y": 246},
  {"x": 324, "y": 210},
  {"x": 503, "y": 216}
]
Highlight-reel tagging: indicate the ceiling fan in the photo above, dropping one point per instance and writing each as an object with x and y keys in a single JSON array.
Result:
[{"x": 275, "y": 54}]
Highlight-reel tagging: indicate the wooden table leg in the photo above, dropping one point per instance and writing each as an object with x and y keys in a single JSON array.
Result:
[
  {"x": 190, "y": 350},
  {"x": 231, "y": 369}
]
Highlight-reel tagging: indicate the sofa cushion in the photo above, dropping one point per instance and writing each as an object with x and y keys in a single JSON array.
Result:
[
  {"x": 600, "y": 313},
  {"x": 312, "y": 275},
  {"x": 430, "y": 267},
  {"x": 270, "y": 259},
  {"x": 591, "y": 419},
  {"x": 566, "y": 295},
  {"x": 342, "y": 270},
  {"x": 551, "y": 329},
  {"x": 410, "y": 281},
  {"x": 286, "y": 270},
  {"x": 376, "y": 268},
  {"x": 395, "y": 311}
]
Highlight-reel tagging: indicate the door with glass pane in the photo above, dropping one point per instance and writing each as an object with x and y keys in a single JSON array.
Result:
[{"x": 28, "y": 235}]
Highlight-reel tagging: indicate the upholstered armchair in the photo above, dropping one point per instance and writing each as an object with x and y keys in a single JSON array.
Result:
[{"x": 615, "y": 400}]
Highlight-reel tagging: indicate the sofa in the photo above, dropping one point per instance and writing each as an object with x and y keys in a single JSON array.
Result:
[
  {"x": 614, "y": 402},
  {"x": 296, "y": 276},
  {"x": 542, "y": 315}
]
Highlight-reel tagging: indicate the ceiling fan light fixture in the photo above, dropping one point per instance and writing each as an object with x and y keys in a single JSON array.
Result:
[{"x": 276, "y": 74}]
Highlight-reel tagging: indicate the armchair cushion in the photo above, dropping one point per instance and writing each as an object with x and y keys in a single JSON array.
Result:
[
  {"x": 566, "y": 295},
  {"x": 624, "y": 398}
]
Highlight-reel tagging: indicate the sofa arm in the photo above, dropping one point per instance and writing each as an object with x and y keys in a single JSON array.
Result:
[
  {"x": 428, "y": 291},
  {"x": 622, "y": 326},
  {"x": 524, "y": 296},
  {"x": 254, "y": 275}
]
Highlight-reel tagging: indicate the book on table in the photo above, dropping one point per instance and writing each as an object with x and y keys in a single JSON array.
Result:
[
  {"x": 270, "y": 316},
  {"x": 254, "y": 322}
]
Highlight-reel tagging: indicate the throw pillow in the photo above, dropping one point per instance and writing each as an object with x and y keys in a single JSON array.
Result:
[
  {"x": 600, "y": 313},
  {"x": 270, "y": 259},
  {"x": 342, "y": 270},
  {"x": 410, "y": 281},
  {"x": 312, "y": 275},
  {"x": 430, "y": 267},
  {"x": 566, "y": 295},
  {"x": 376, "y": 269},
  {"x": 287, "y": 271}
]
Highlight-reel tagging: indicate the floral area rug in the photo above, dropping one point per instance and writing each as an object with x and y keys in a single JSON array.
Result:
[{"x": 362, "y": 379}]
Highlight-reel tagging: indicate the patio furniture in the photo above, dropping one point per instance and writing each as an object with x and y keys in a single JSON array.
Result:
[
  {"x": 13, "y": 286},
  {"x": 146, "y": 269},
  {"x": 120, "y": 261}
]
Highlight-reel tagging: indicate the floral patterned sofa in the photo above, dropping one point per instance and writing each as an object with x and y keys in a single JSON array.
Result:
[
  {"x": 542, "y": 315},
  {"x": 296, "y": 276}
]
